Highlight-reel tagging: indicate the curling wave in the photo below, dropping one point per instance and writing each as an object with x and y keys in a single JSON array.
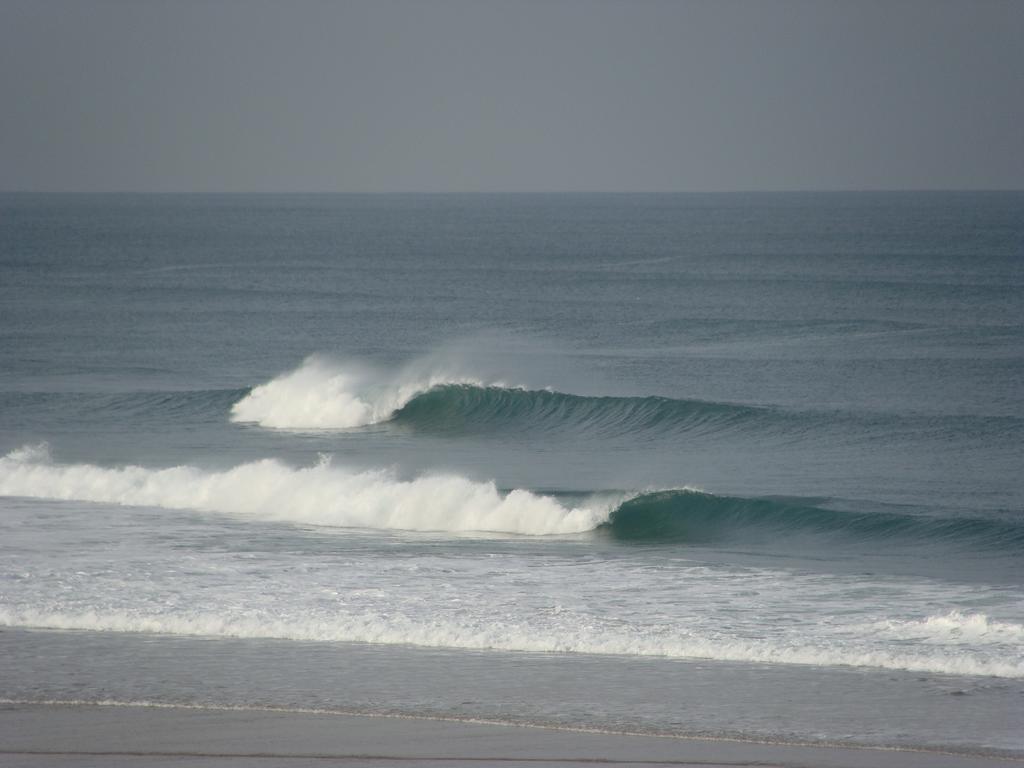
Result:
[
  {"x": 694, "y": 516},
  {"x": 327, "y": 495},
  {"x": 434, "y": 399},
  {"x": 322, "y": 395},
  {"x": 466, "y": 408}
]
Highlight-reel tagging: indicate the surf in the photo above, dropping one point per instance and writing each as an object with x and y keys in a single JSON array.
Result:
[
  {"x": 321, "y": 494},
  {"x": 324, "y": 494},
  {"x": 534, "y": 637},
  {"x": 438, "y": 396},
  {"x": 322, "y": 394},
  {"x": 692, "y": 516}
]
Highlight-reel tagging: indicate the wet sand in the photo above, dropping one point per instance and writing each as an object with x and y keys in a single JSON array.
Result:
[{"x": 35, "y": 735}]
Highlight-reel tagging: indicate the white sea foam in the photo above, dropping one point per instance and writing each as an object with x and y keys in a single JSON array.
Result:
[
  {"x": 954, "y": 627},
  {"x": 514, "y": 636},
  {"x": 319, "y": 495},
  {"x": 581, "y": 601},
  {"x": 324, "y": 394}
]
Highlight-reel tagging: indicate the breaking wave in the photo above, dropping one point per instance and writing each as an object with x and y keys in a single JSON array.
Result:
[
  {"x": 324, "y": 396},
  {"x": 328, "y": 495},
  {"x": 321, "y": 394},
  {"x": 689, "y": 515},
  {"x": 465, "y": 408},
  {"x": 318, "y": 495},
  {"x": 435, "y": 399}
]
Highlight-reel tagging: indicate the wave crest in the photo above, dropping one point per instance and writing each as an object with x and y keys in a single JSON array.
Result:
[
  {"x": 688, "y": 515},
  {"x": 324, "y": 395},
  {"x": 321, "y": 394},
  {"x": 464, "y": 407},
  {"x": 327, "y": 495},
  {"x": 436, "y": 396},
  {"x": 319, "y": 495}
]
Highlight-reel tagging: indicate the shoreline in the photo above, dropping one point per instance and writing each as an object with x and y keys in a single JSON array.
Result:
[
  {"x": 582, "y": 697},
  {"x": 88, "y": 734},
  {"x": 341, "y": 712}
]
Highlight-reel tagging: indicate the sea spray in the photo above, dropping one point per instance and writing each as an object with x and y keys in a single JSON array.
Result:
[{"x": 323, "y": 394}]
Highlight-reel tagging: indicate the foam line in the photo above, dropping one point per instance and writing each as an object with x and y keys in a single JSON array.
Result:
[{"x": 515, "y": 636}]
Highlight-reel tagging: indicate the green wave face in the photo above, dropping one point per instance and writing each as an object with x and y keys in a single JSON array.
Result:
[
  {"x": 696, "y": 517},
  {"x": 460, "y": 408}
]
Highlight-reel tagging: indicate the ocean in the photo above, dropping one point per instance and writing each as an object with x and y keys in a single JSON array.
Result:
[{"x": 743, "y": 466}]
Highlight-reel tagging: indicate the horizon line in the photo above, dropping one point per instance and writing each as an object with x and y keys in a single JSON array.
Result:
[{"x": 384, "y": 193}]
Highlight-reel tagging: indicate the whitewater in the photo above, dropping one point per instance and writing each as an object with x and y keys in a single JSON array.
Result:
[
  {"x": 671, "y": 613},
  {"x": 318, "y": 495},
  {"x": 322, "y": 394}
]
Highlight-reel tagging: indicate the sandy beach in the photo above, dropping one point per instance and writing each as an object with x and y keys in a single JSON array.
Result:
[{"x": 90, "y": 735}]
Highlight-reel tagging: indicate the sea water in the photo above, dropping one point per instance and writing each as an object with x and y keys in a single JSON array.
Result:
[{"x": 746, "y": 466}]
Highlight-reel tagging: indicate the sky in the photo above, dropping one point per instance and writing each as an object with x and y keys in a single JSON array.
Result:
[{"x": 519, "y": 95}]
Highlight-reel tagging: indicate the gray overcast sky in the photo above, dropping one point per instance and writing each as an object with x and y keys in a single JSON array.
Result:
[{"x": 476, "y": 95}]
